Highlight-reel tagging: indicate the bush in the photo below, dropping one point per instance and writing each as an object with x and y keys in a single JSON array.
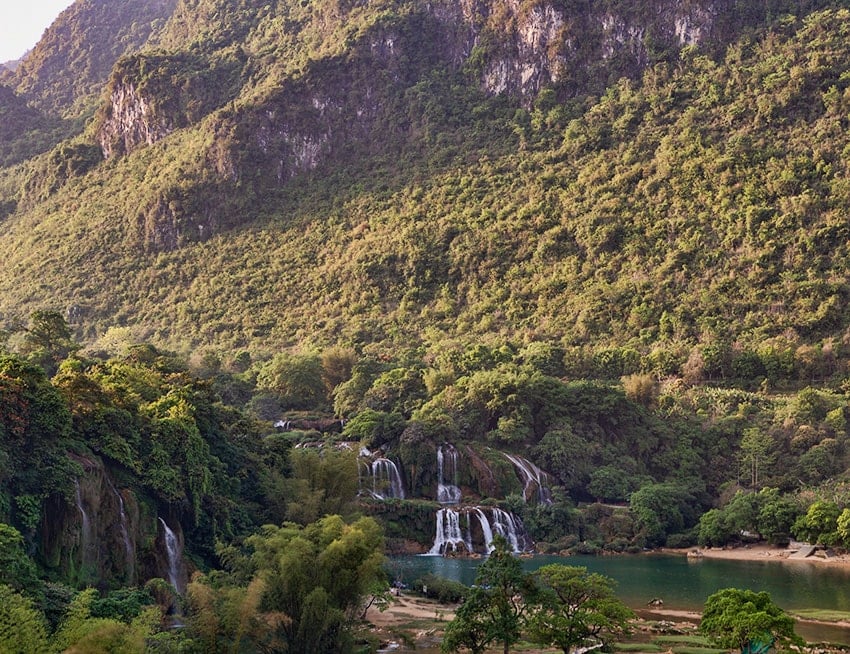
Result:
[{"x": 440, "y": 588}]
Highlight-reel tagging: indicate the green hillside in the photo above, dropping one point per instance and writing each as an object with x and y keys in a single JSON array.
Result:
[
  {"x": 703, "y": 201},
  {"x": 576, "y": 269}
]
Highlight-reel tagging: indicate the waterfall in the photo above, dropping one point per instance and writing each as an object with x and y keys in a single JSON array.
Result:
[
  {"x": 485, "y": 529},
  {"x": 129, "y": 549},
  {"x": 172, "y": 547},
  {"x": 511, "y": 528},
  {"x": 386, "y": 480},
  {"x": 86, "y": 540},
  {"x": 449, "y": 533},
  {"x": 532, "y": 477},
  {"x": 447, "y": 469}
]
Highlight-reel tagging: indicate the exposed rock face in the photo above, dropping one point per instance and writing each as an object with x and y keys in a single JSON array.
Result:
[
  {"x": 531, "y": 45},
  {"x": 103, "y": 535},
  {"x": 132, "y": 121},
  {"x": 344, "y": 103}
]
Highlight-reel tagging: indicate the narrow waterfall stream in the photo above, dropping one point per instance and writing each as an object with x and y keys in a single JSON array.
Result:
[
  {"x": 86, "y": 536},
  {"x": 123, "y": 526},
  {"x": 172, "y": 547},
  {"x": 447, "y": 469},
  {"x": 533, "y": 479}
]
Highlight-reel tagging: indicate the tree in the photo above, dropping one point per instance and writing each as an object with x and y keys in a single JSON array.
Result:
[
  {"x": 746, "y": 619},
  {"x": 714, "y": 528},
  {"x": 297, "y": 380},
  {"x": 315, "y": 580},
  {"x": 22, "y": 627},
  {"x": 819, "y": 524},
  {"x": 776, "y": 516},
  {"x": 471, "y": 627},
  {"x": 16, "y": 568},
  {"x": 495, "y": 609},
  {"x": 48, "y": 340},
  {"x": 755, "y": 453},
  {"x": 660, "y": 510},
  {"x": 577, "y": 609}
]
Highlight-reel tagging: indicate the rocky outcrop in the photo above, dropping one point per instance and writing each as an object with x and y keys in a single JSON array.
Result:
[
  {"x": 519, "y": 47},
  {"x": 103, "y": 534},
  {"x": 131, "y": 121},
  {"x": 372, "y": 88}
]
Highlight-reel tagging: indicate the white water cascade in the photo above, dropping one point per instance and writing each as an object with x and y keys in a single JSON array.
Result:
[
  {"x": 511, "y": 528},
  {"x": 172, "y": 548},
  {"x": 447, "y": 469},
  {"x": 532, "y": 478},
  {"x": 450, "y": 536},
  {"x": 485, "y": 529},
  {"x": 449, "y": 533},
  {"x": 123, "y": 526},
  {"x": 386, "y": 480}
]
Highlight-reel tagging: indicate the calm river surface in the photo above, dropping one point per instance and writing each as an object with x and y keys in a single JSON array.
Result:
[{"x": 681, "y": 582}]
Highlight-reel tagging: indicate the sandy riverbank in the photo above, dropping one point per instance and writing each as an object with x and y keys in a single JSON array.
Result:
[{"x": 765, "y": 553}]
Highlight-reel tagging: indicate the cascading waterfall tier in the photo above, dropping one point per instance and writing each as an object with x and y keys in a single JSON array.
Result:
[
  {"x": 386, "y": 480},
  {"x": 470, "y": 531},
  {"x": 447, "y": 469},
  {"x": 533, "y": 479},
  {"x": 86, "y": 535}
]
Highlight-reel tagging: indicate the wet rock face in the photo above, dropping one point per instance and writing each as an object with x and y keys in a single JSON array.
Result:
[{"x": 95, "y": 534}]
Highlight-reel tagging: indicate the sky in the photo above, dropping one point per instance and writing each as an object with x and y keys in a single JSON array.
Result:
[{"x": 22, "y": 22}]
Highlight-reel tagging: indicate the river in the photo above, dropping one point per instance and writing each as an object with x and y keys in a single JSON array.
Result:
[{"x": 681, "y": 582}]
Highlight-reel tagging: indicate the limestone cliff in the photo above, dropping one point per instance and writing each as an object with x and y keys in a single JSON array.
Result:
[{"x": 321, "y": 81}]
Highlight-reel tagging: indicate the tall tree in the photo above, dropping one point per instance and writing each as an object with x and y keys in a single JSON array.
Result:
[
  {"x": 577, "y": 609},
  {"x": 22, "y": 627},
  {"x": 315, "y": 580},
  {"x": 48, "y": 340},
  {"x": 495, "y": 610}
]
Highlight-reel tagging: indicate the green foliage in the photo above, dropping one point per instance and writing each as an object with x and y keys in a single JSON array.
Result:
[
  {"x": 17, "y": 570},
  {"x": 322, "y": 483},
  {"x": 374, "y": 428},
  {"x": 661, "y": 509},
  {"x": 441, "y": 589},
  {"x": 819, "y": 524},
  {"x": 297, "y": 380},
  {"x": 83, "y": 632},
  {"x": 739, "y": 618},
  {"x": 316, "y": 578},
  {"x": 22, "y": 627},
  {"x": 495, "y": 608},
  {"x": 577, "y": 609}
]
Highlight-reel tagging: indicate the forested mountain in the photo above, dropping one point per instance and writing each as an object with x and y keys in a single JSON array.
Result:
[
  {"x": 262, "y": 176},
  {"x": 571, "y": 270}
]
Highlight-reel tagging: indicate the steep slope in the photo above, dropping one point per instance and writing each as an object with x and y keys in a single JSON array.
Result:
[
  {"x": 395, "y": 173},
  {"x": 24, "y": 131},
  {"x": 74, "y": 57}
]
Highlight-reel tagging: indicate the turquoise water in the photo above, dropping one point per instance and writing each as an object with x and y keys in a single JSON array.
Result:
[{"x": 682, "y": 583}]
